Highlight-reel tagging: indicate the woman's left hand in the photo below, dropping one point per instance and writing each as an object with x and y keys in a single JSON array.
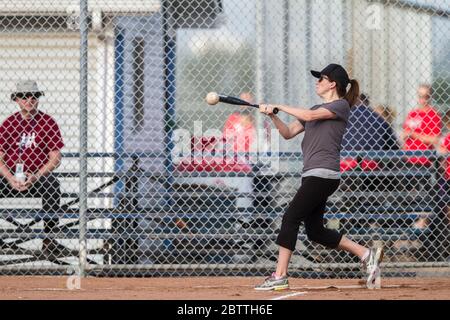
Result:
[{"x": 31, "y": 179}]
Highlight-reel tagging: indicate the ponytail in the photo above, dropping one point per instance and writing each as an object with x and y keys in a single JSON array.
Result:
[{"x": 353, "y": 93}]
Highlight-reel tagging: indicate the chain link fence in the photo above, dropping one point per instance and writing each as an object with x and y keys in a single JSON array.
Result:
[{"x": 154, "y": 181}]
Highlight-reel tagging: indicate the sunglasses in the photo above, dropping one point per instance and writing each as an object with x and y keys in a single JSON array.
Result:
[
  {"x": 27, "y": 95},
  {"x": 322, "y": 78}
]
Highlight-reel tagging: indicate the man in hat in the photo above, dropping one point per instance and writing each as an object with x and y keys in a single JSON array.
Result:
[{"x": 30, "y": 149}]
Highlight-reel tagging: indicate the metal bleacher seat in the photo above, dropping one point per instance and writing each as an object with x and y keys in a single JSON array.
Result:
[{"x": 204, "y": 221}]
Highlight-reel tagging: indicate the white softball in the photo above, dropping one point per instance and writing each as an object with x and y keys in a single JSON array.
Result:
[{"x": 212, "y": 98}]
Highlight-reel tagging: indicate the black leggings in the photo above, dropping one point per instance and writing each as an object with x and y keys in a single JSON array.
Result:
[{"x": 308, "y": 206}]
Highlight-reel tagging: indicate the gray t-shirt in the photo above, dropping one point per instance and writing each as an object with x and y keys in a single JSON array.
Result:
[{"x": 321, "y": 144}]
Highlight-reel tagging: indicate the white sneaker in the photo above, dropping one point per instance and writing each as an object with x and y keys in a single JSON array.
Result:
[
  {"x": 374, "y": 279},
  {"x": 372, "y": 264}
]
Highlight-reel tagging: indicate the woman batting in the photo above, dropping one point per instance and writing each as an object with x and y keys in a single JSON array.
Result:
[{"x": 324, "y": 126}]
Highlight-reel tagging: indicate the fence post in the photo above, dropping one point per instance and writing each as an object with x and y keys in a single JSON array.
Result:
[{"x": 83, "y": 131}]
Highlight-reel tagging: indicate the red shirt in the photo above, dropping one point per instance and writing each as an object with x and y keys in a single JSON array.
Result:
[
  {"x": 424, "y": 122},
  {"x": 446, "y": 145},
  {"x": 241, "y": 131},
  {"x": 31, "y": 140}
]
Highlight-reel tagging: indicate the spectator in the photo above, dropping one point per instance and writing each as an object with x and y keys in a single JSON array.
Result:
[
  {"x": 422, "y": 127},
  {"x": 444, "y": 148},
  {"x": 366, "y": 130},
  {"x": 240, "y": 128},
  {"x": 444, "y": 145},
  {"x": 30, "y": 144},
  {"x": 442, "y": 198},
  {"x": 386, "y": 112},
  {"x": 436, "y": 239}
]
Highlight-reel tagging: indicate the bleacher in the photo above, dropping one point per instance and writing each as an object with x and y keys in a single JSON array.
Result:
[{"x": 197, "y": 223}]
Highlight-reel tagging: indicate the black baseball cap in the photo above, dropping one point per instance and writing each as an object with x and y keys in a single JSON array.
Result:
[{"x": 335, "y": 72}]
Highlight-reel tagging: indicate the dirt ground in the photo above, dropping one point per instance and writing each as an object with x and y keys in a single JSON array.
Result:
[{"x": 217, "y": 288}]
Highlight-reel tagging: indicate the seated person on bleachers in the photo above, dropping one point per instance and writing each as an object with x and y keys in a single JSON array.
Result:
[
  {"x": 240, "y": 128},
  {"x": 434, "y": 230},
  {"x": 444, "y": 148},
  {"x": 386, "y": 112},
  {"x": 30, "y": 144},
  {"x": 442, "y": 197},
  {"x": 241, "y": 135},
  {"x": 366, "y": 130},
  {"x": 422, "y": 127}
]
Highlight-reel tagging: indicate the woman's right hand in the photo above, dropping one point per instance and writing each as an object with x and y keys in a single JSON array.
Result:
[{"x": 267, "y": 109}]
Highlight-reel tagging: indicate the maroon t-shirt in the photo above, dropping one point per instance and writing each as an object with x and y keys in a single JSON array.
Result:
[{"x": 31, "y": 140}]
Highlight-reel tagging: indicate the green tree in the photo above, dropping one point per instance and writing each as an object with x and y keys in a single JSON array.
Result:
[{"x": 225, "y": 71}]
